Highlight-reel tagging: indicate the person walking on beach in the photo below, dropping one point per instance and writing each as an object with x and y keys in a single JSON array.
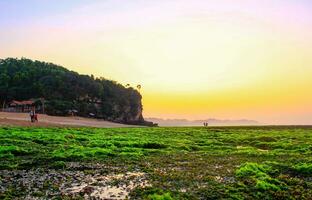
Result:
[{"x": 33, "y": 115}]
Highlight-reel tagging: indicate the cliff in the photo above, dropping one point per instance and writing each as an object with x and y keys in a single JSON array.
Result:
[{"x": 66, "y": 92}]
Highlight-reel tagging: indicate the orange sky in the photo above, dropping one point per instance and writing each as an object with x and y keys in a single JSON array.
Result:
[{"x": 194, "y": 59}]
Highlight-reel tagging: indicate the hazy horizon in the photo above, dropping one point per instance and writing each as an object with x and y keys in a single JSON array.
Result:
[{"x": 200, "y": 59}]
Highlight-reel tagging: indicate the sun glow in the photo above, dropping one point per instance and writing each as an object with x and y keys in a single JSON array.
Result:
[{"x": 198, "y": 59}]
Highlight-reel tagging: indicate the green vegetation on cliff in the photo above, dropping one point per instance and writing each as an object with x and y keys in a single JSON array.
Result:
[{"x": 23, "y": 79}]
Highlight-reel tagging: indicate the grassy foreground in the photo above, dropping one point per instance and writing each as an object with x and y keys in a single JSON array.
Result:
[{"x": 179, "y": 163}]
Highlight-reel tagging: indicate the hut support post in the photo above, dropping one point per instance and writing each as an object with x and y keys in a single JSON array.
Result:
[{"x": 3, "y": 105}]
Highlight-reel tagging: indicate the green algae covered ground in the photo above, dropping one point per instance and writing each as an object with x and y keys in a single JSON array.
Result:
[{"x": 177, "y": 163}]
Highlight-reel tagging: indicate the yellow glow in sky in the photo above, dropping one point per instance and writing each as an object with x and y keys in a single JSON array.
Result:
[{"x": 194, "y": 60}]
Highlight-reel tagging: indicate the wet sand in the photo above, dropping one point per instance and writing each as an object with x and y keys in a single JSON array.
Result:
[{"x": 22, "y": 119}]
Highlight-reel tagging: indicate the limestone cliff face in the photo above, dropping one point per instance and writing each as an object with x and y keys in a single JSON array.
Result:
[
  {"x": 139, "y": 114},
  {"x": 130, "y": 113}
]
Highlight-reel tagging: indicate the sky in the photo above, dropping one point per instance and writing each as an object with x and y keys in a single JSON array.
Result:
[{"x": 227, "y": 59}]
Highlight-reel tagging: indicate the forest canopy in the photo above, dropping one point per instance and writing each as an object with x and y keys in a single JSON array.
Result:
[{"x": 64, "y": 90}]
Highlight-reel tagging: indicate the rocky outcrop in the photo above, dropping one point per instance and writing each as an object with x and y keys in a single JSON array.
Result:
[{"x": 69, "y": 93}]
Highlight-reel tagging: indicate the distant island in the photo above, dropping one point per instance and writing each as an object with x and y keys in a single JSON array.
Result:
[
  {"x": 55, "y": 90},
  {"x": 211, "y": 122}
]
